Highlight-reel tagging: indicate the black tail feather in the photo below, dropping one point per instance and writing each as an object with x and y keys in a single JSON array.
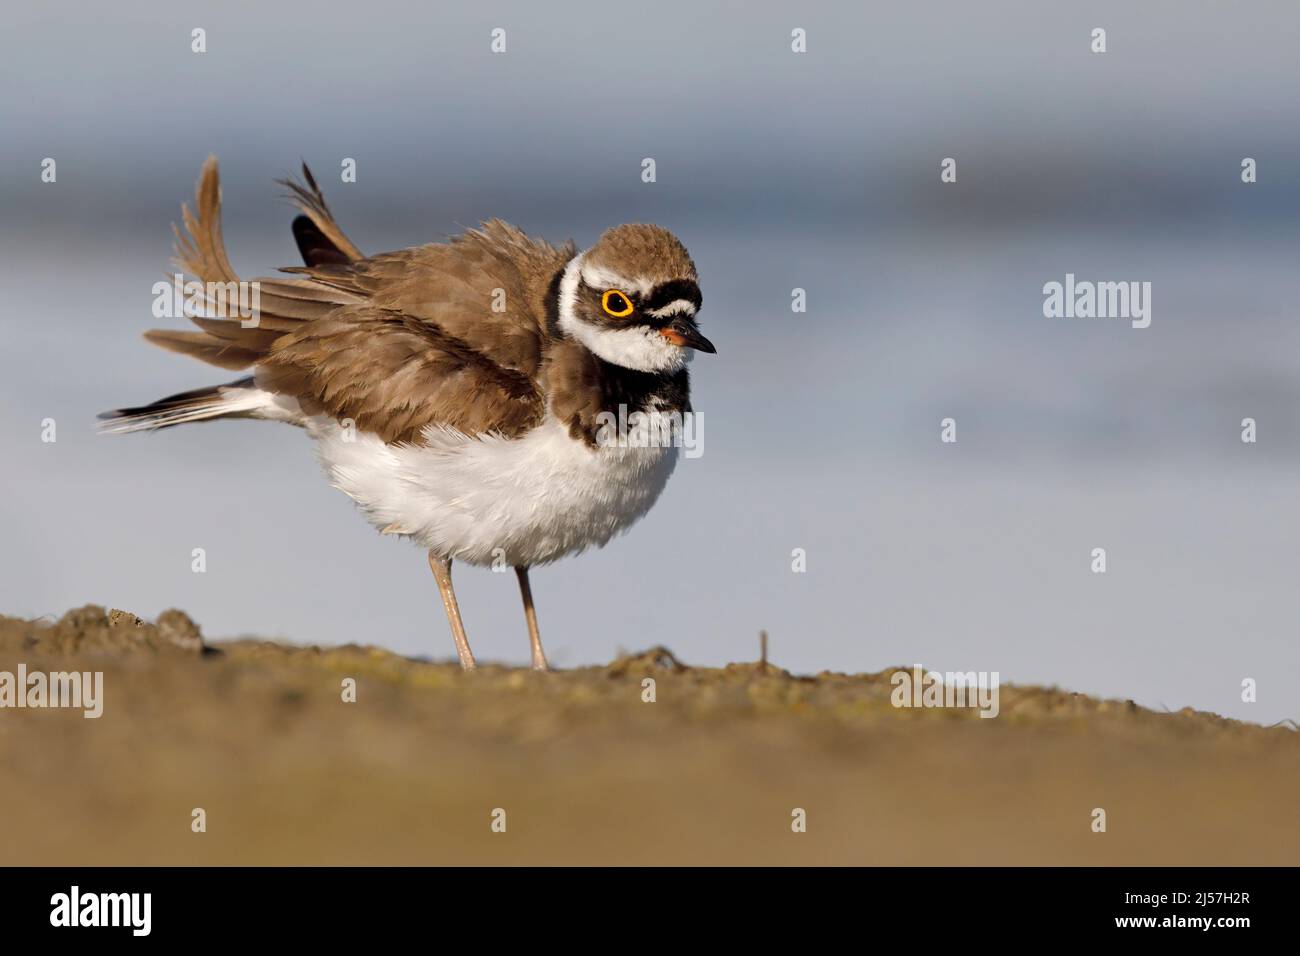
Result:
[
  {"x": 314, "y": 245},
  {"x": 173, "y": 410}
]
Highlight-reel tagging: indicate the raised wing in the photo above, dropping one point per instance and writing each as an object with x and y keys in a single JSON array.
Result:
[{"x": 449, "y": 334}]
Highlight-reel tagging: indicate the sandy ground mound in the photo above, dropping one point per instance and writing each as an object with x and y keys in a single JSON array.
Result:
[{"x": 416, "y": 770}]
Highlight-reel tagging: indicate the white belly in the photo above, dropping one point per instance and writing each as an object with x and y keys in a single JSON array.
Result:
[{"x": 522, "y": 501}]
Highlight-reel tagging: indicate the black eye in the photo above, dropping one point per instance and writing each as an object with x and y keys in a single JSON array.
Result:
[{"x": 616, "y": 303}]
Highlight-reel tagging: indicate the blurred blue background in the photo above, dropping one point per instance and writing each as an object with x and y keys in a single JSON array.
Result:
[{"x": 778, "y": 170}]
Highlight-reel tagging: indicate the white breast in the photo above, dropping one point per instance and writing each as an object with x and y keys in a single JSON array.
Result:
[{"x": 524, "y": 501}]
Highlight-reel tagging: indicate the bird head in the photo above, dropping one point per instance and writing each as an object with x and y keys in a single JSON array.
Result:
[{"x": 632, "y": 299}]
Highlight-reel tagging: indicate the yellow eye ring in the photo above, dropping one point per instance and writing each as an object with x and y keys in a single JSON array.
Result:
[{"x": 622, "y": 305}]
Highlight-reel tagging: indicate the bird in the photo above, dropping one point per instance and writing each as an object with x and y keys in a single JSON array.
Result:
[{"x": 461, "y": 392}]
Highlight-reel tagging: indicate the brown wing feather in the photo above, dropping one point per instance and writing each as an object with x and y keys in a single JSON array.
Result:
[
  {"x": 203, "y": 252},
  {"x": 394, "y": 376},
  {"x": 284, "y": 304},
  {"x": 308, "y": 197},
  {"x": 447, "y": 334},
  {"x": 203, "y": 347},
  {"x": 486, "y": 287}
]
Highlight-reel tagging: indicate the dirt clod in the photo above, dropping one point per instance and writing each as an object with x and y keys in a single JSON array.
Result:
[{"x": 90, "y": 630}]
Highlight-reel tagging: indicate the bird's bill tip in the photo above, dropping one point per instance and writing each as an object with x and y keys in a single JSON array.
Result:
[{"x": 688, "y": 336}]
